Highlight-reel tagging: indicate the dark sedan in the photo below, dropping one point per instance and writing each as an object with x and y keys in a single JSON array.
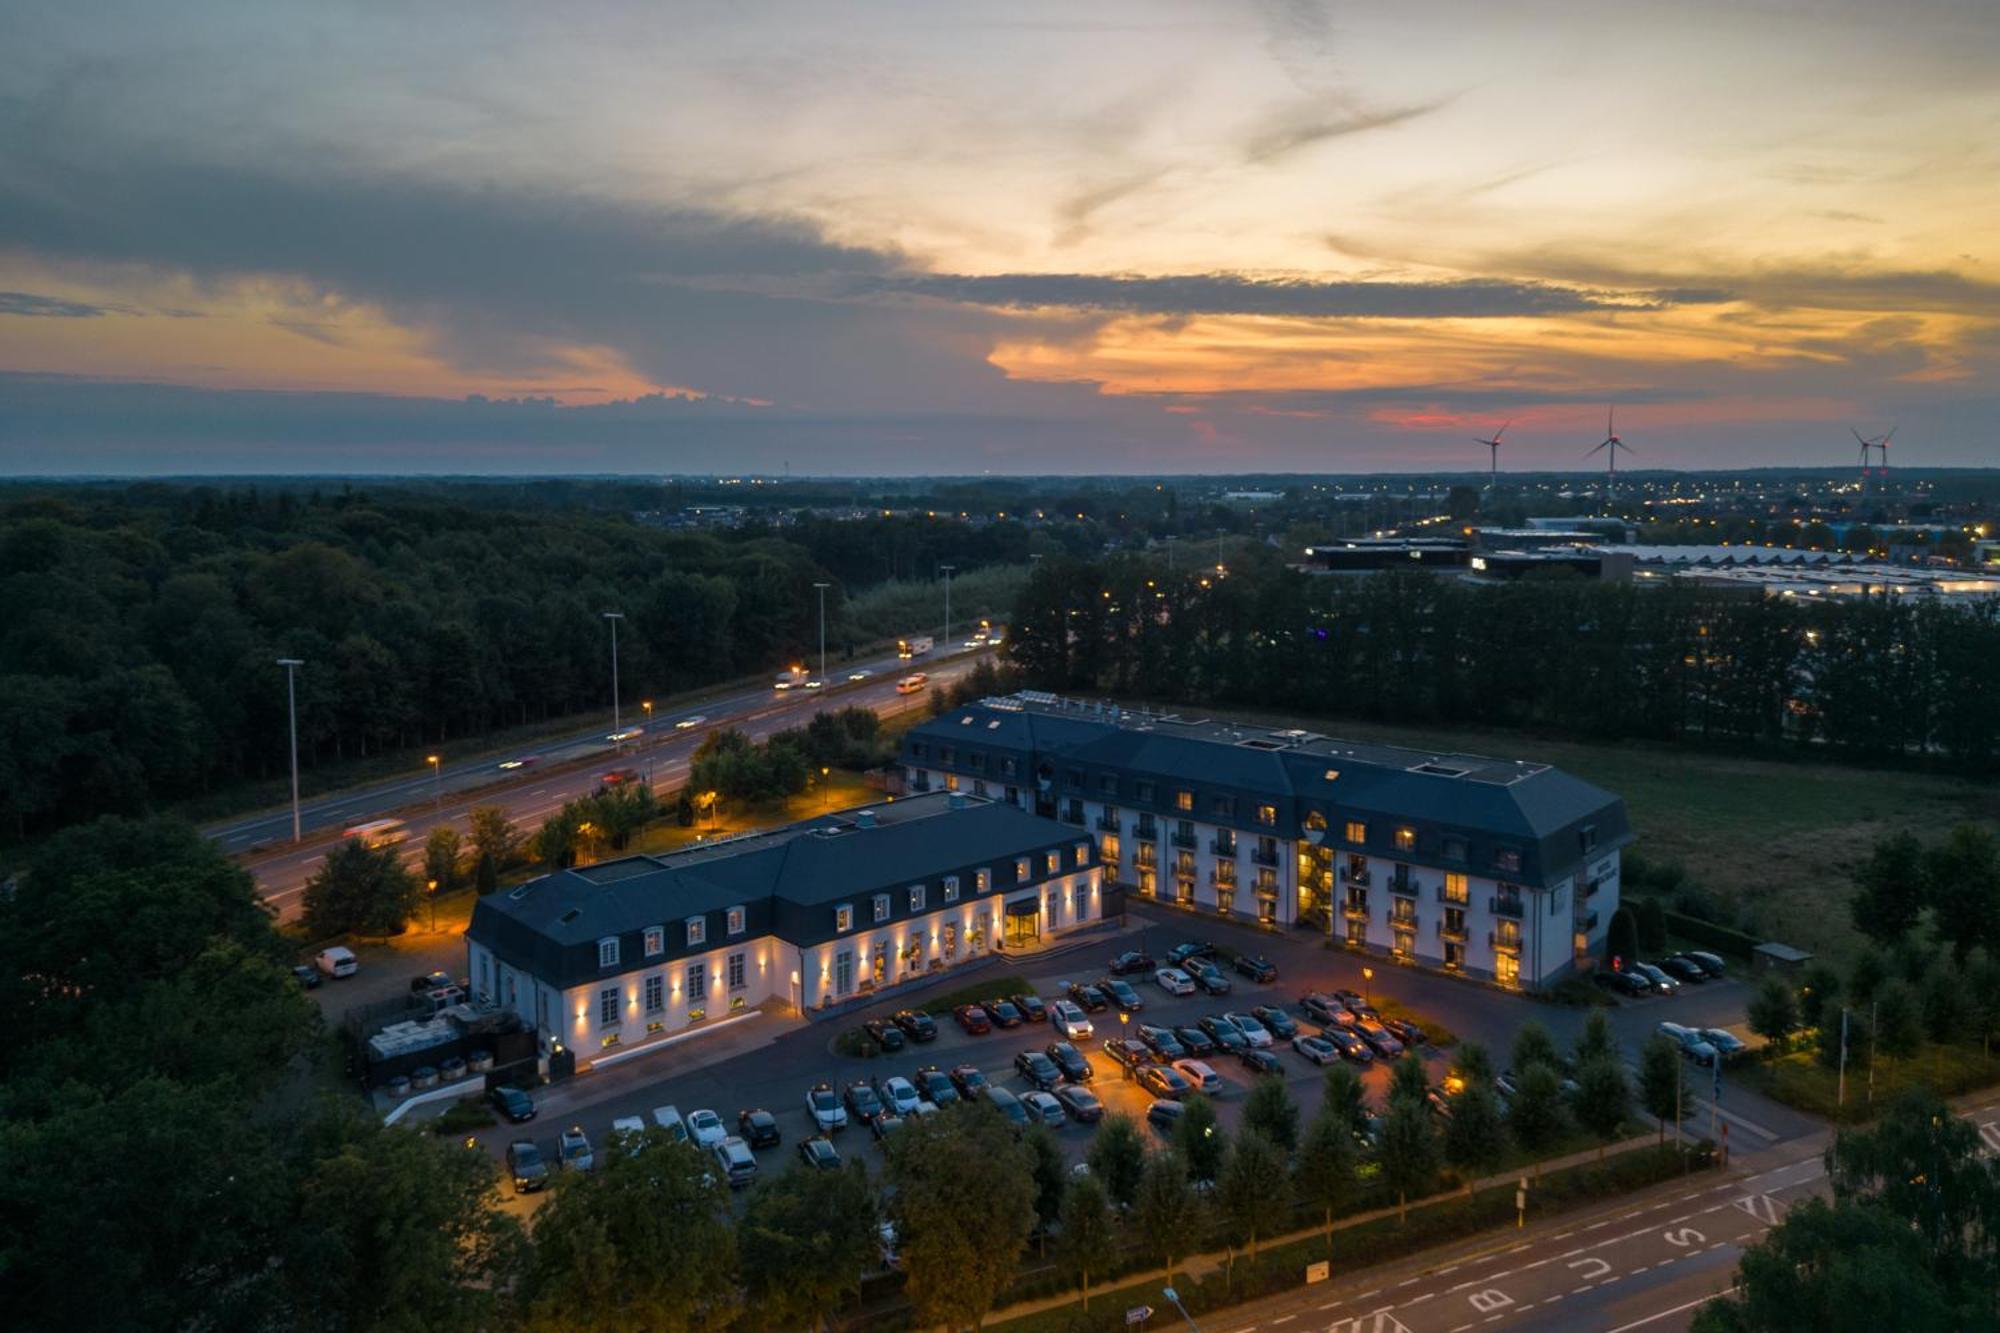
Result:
[
  {"x": 916, "y": 1024},
  {"x": 516, "y": 1105},
  {"x": 1032, "y": 1008},
  {"x": 973, "y": 1019},
  {"x": 1684, "y": 969},
  {"x": 819, "y": 1154},
  {"x": 1283, "y": 1026},
  {"x": 1223, "y": 1033},
  {"x": 1257, "y": 967},
  {"x": 759, "y": 1128},
  {"x": 1004, "y": 1013},
  {"x": 862, "y": 1103},
  {"x": 526, "y": 1167},
  {"x": 971, "y": 1084},
  {"x": 1260, "y": 1062},
  {"x": 885, "y": 1033},
  {"x": 1121, "y": 995},
  {"x": 1089, "y": 997},
  {"x": 1197, "y": 1042},
  {"x": 1623, "y": 983},
  {"x": 936, "y": 1086},
  {"x": 1164, "y": 1082},
  {"x": 1133, "y": 962},
  {"x": 1162, "y": 1042},
  {"x": 1081, "y": 1103},
  {"x": 1071, "y": 1061},
  {"x": 1038, "y": 1069},
  {"x": 1127, "y": 1053},
  {"x": 1181, "y": 954}
]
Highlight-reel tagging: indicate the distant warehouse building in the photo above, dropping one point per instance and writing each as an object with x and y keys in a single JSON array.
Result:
[
  {"x": 1493, "y": 868},
  {"x": 811, "y": 915}
]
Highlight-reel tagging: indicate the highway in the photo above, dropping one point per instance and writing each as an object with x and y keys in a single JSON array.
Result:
[{"x": 561, "y": 770}]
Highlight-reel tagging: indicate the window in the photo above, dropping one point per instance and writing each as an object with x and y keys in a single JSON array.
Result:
[
  {"x": 1053, "y": 862},
  {"x": 1109, "y": 786},
  {"x": 843, "y": 917},
  {"x": 982, "y": 880},
  {"x": 1072, "y": 779},
  {"x": 1024, "y": 870},
  {"x": 736, "y": 971},
  {"x": 1083, "y": 854},
  {"x": 1588, "y": 837},
  {"x": 947, "y": 755},
  {"x": 1008, "y": 767},
  {"x": 1145, "y": 791},
  {"x": 1507, "y": 859},
  {"x": 697, "y": 930},
  {"x": 1357, "y": 832},
  {"x": 1225, "y": 807},
  {"x": 607, "y": 952},
  {"x": 1267, "y": 814},
  {"x": 951, "y": 782},
  {"x": 881, "y": 907},
  {"x": 979, "y": 788},
  {"x": 843, "y": 971},
  {"x": 697, "y": 984},
  {"x": 1081, "y": 912},
  {"x": 916, "y": 749},
  {"x": 1454, "y": 849},
  {"x": 656, "y": 993},
  {"x": 607, "y": 1007},
  {"x": 1406, "y": 839},
  {"x": 735, "y": 921},
  {"x": 916, "y": 897},
  {"x": 1456, "y": 889},
  {"x": 656, "y": 941},
  {"x": 951, "y": 888},
  {"x": 1184, "y": 800}
]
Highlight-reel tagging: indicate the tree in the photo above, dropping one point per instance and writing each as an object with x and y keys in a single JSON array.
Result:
[
  {"x": 1773, "y": 1012},
  {"x": 441, "y": 858},
  {"x": 1199, "y": 1140},
  {"x": 642, "y": 1242},
  {"x": 1889, "y": 889},
  {"x": 1087, "y": 1242},
  {"x": 1535, "y": 1115},
  {"x": 1603, "y": 1101},
  {"x": 1409, "y": 1080},
  {"x": 1819, "y": 995},
  {"x": 485, "y": 875},
  {"x": 359, "y": 889},
  {"x": 1344, "y": 1098},
  {"x": 1868, "y": 971},
  {"x": 1051, "y": 1172},
  {"x": 1408, "y": 1150},
  {"x": 494, "y": 837},
  {"x": 1474, "y": 1138},
  {"x": 1829, "y": 1269},
  {"x": 1168, "y": 1212},
  {"x": 1117, "y": 1157},
  {"x": 1982, "y": 986},
  {"x": 1269, "y": 1110},
  {"x": 1898, "y": 1024},
  {"x": 557, "y": 842},
  {"x": 1474, "y": 1064},
  {"x": 1325, "y": 1174},
  {"x": 1534, "y": 1046},
  {"x": 1652, "y": 922},
  {"x": 1962, "y": 886},
  {"x": 1253, "y": 1194},
  {"x": 1662, "y": 1091},
  {"x": 963, "y": 1204},
  {"x": 1621, "y": 939},
  {"x": 1944, "y": 1002},
  {"x": 1596, "y": 1041},
  {"x": 805, "y": 1240}
]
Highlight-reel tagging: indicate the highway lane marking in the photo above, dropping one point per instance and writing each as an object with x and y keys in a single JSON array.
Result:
[
  {"x": 1284, "y": 1319},
  {"x": 1689, "y": 1305}
]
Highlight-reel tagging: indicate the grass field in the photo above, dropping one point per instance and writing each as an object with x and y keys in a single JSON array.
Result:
[
  {"x": 1774, "y": 838},
  {"x": 841, "y": 790}
]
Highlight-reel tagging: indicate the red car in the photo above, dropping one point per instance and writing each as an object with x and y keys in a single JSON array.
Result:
[{"x": 973, "y": 1019}]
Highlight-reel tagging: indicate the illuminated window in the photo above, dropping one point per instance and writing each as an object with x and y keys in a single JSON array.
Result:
[
  {"x": 951, "y": 888},
  {"x": 1024, "y": 870},
  {"x": 881, "y": 907},
  {"x": 1053, "y": 862},
  {"x": 697, "y": 930},
  {"x": 916, "y": 897},
  {"x": 1083, "y": 853},
  {"x": 736, "y": 921},
  {"x": 1357, "y": 831},
  {"x": 1184, "y": 799},
  {"x": 843, "y": 917},
  {"x": 1456, "y": 889},
  {"x": 656, "y": 941},
  {"x": 1406, "y": 839},
  {"x": 1267, "y": 814},
  {"x": 982, "y": 880}
]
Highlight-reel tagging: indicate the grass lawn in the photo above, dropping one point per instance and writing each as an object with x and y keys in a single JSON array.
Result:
[
  {"x": 1776, "y": 838},
  {"x": 1800, "y": 1080},
  {"x": 841, "y": 790}
]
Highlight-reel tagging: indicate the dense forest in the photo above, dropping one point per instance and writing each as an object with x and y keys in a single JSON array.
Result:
[
  {"x": 138, "y": 652},
  {"x": 1866, "y": 679}
]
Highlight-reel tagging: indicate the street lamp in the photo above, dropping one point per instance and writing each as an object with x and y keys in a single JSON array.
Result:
[
  {"x": 825, "y": 793},
  {"x": 947, "y": 604},
  {"x": 1367, "y": 975},
  {"x": 646, "y": 743},
  {"x": 614, "y": 617},
  {"x": 291, "y": 664},
  {"x": 433, "y": 891},
  {"x": 822, "y": 629},
  {"x": 437, "y": 782}
]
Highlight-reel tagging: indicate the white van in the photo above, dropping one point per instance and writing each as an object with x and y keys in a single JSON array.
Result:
[
  {"x": 669, "y": 1119},
  {"x": 337, "y": 961},
  {"x": 912, "y": 683}
]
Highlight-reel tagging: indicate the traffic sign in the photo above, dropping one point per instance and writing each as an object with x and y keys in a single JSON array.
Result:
[
  {"x": 1318, "y": 1272},
  {"x": 1138, "y": 1314}
]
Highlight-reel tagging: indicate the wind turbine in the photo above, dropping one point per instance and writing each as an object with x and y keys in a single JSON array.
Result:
[
  {"x": 1880, "y": 442},
  {"x": 1493, "y": 447},
  {"x": 1613, "y": 444}
]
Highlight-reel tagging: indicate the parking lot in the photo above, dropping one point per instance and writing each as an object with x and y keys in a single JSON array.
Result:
[{"x": 777, "y": 1075}]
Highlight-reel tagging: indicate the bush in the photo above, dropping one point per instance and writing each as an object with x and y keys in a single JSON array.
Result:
[
  {"x": 462, "y": 1116},
  {"x": 856, "y": 1044}
]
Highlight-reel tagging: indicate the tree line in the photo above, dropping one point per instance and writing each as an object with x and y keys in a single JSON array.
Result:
[{"x": 1874, "y": 678}]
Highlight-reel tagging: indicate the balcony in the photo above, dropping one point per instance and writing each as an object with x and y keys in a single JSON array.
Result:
[
  {"x": 1223, "y": 876},
  {"x": 1109, "y": 824},
  {"x": 1403, "y": 920},
  {"x": 1504, "y": 943},
  {"x": 1404, "y": 885},
  {"x": 1510, "y": 907},
  {"x": 1222, "y": 846},
  {"x": 1146, "y": 859},
  {"x": 1148, "y": 830},
  {"x": 1265, "y": 856},
  {"x": 1360, "y": 878},
  {"x": 1453, "y": 934},
  {"x": 1355, "y": 911},
  {"x": 1447, "y": 897},
  {"x": 1266, "y": 888},
  {"x": 1185, "y": 840},
  {"x": 1073, "y": 814}
]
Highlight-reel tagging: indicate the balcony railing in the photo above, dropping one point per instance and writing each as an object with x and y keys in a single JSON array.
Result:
[
  {"x": 1222, "y": 846},
  {"x": 1186, "y": 840},
  {"x": 1223, "y": 876},
  {"x": 1148, "y": 830},
  {"x": 1404, "y": 885},
  {"x": 1403, "y": 920},
  {"x": 1073, "y": 814},
  {"x": 1447, "y": 931},
  {"x": 1507, "y": 907},
  {"x": 1266, "y": 888},
  {"x": 1453, "y": 899},
  {"x": 1145, "y": 858},
  {"x": 1350, "y": 875},
  {"x": 1503, "y": 943},
  {"x": 1264, "y": 856},
  {"x": 1355, "y": 911},
  {"x": 1109, "y": 824}
]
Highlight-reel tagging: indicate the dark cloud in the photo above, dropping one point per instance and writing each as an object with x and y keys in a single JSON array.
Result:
[
  {"x": 50, "y": 307},
  {"x": 1232, "y": 294}
]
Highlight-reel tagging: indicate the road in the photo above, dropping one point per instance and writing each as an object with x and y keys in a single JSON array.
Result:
[{"x": 562, "y": 770}]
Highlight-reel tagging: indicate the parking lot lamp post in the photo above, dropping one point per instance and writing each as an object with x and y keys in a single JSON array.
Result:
[
  {"x": 825, "y": 792},
  {"x": 647, "y": 743},
  {"x": 437, "y": 781},
  {"x": 614, "y": 617},
  {"x": 1124, "y": 1021},
  {"x": 432, "y": 893},
  {"x": 1367, "y": 996},
  {"x": 291, "y": 665}
]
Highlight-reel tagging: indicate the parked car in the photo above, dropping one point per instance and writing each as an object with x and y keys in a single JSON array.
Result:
[
  {"x": 1163, "y": 1081},
  {"x": 1200, "y": 1074},
  {"x": 1662, "y": 983},
  {"x": 1224, "y": 1033},
  {"x": 887, "y": 1035},
  {"x": 1089, "y": 998},
  {"x": 430, "y": 981},
  {"x": 705, "y": 1127},
  {"x": 825, "y": 1109},
  {"x": 1682, "y": 968},
  {"x": 1197, "y": 1043},
  {"x": 1353, "y": 1001},
  {"x": 1182, "y": 953},
  {"x": 307, "y": 977},
  {"x": 1081, "y": 1103},
  {"x": 759, "y": 1128},
  {"x": 1074, "y": 1065},
  {"x": 1004, "y": 1013},
  {"x": 1033, "y": 1009},
  {"x": 1010, "y": 1106},
  {"x": 1726, "y": 1043},
  {"x": 1623, "y": 983},
  {"x": 882, "y": 1126},
  {"x": 1043, "y": 1106},
  {"x": 628, "y": 1133},
  {"x": 1350, "y": 1044},
  {"x": 739, "y": 1165},
  {"x": 1129, "y": 1054},
  {"x": 1380, "y": 1040},
  {"x": 1133, "y": 962},
  {"x": 1069, "y": 1020},
  {"x": 1691, "y": 1043},
  {"x": 337, "y": 962},
  {"x": 1164, "y": 1116},
  {"x": 973, "y": 1019},
  {"x": 916, "y": 1024},
  {"x": 1208, "y": 976},
  {"x": 526, "y": 1167},
  {"x": 573, "y": 1150},
  {"x": 862, "y": 1103},
  {"x": 669, "y": 1119},
  {"x": 1260, "y": 1062},
  {"x": 1254, "y": 1032},
  {"x": 1323, "y": 1009},
  {"x": 1709, "y": 963},
  {"x": 1406, "y": 1032},
  {"x": 1174, "y": 981},
  {"x": 819, "y": 1154},
  {"x": 971, "y": 1084},
  {"x": 1038, "y": 1069},
  {"x": 1161, "y": 1042},
  {"x": 936, "y": 1086},
  {"x": 1121, "y": 995},
  {"x": 1282, "y": 1026},
  {"x": 898, "y": 1094},
  {"x": 1316, "y": 1049},
  {"x": 1256, "y": 967},
  {"x": 516, "y": 1105}
]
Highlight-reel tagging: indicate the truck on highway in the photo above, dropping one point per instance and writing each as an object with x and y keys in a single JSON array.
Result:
[
  {"x": 378, "y": 833},
  {"x": 917, "y": 647},
  {"x": 790, "y": 676}
]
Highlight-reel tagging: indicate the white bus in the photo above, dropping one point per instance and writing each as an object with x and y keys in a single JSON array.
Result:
[
  {"x": 917, "y": 647},
  {"x": 378, "y": 832},
  {"x": 912, "y": 683}
]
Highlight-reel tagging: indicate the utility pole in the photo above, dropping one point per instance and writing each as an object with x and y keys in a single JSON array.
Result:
[
  {"x": 1840, "y": 1097},
  {"x": 437, "y": 781},
  {"x": 1874, "y": 1014},
  {"x": 822, "y": 628},
  {"x": 947, "y": 604},
  {"x": 291, "y": 664},
  {"x": 617, "y": 723}
]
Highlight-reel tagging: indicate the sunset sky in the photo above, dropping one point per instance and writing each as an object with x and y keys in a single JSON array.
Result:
[{"x": 937, "y": 237}]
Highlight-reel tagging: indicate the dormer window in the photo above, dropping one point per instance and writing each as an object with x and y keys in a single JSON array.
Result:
[
  {"x": 656, "y": 941},
  {"x": 697, "y": 927},
  {"x": 607, "y": 952},
  {"x": 881, "y": 907}
]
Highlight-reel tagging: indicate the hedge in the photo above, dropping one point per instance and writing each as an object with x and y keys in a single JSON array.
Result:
[{"x": 1722, "y": 939}]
